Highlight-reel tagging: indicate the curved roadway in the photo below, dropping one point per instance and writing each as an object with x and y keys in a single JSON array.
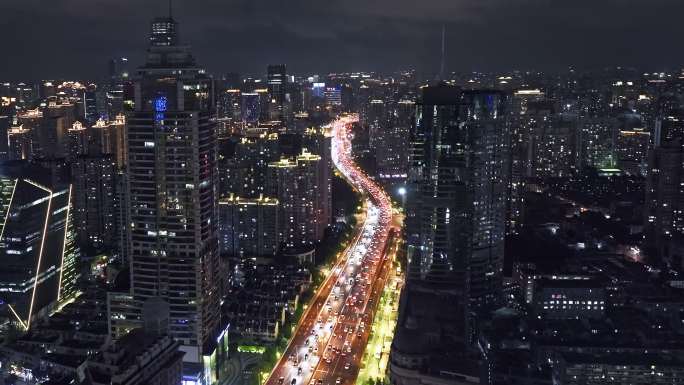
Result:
[{"x": 330, "y": 339}]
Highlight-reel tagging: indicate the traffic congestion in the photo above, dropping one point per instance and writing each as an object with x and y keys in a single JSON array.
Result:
[{"x": 330, "y": 339}]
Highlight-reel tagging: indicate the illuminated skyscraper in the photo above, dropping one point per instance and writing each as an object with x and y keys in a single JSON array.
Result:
[
  {"x": 392, "y": 153},
  {"x": 19, "y": 143},
  {"x": 457, "y": 192},
  {"x": 77, "y": 141},
  {"x": 108, "y": 138},
  {"x": 296, "y": 183},
  {"x": 250, "y": 108},
  {"x": 172, "y": 191},
  {"x": 37, "y": 248},
  {"x": 90, "y": 104},
  {"x": 94, "y": 197},
  {"x": 249, "y": 227},
  {"x": 377, "y": 122},
  {"x": 277, "y": 86}
]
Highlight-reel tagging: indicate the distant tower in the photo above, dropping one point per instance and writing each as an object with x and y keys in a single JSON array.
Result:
[{"x": 443, "y": 60}]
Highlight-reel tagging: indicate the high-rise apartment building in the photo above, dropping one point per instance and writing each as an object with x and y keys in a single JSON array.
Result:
[
  {"x": 172, "y": 190},
  {"x": 249, "y": 227},
  {"x": 109, "y": 138},
  {"x": 377, "y": 122},
  {"x": 392, "y": 151},
  {"x": 77, "y": 141},
  {"x": 94, "y": 198},
  {"x": 19, "y": 143},
  {"x": 295, "y": 182}
]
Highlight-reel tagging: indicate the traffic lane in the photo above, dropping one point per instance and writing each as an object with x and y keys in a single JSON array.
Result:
[
  {"x": 322, "y": 295},
  {"x": 301, "y": 333}
]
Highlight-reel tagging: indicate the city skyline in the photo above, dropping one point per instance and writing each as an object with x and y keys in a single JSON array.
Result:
[
  {"x": 165, "y": 223},
  {"x": 239, "y": 36}
]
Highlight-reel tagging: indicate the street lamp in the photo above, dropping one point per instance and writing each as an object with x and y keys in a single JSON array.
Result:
[{"x": 402, "y": 192}]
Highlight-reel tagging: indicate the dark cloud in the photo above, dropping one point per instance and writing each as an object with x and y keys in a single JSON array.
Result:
[{"x": 74, "y": 38}]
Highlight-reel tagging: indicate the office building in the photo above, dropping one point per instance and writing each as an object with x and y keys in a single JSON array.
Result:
[
  {"x": 250, "y": 108},
  {"x": 89, "y": 100},
  {"x": 457, "y": 192},
  {"x": 333, "y": 97},
  {"x": 623, "y": 368},
  {"x": 37, "y": 244},
  {"x": 569, "y": 298},
  {"x": 277, "y": 88}
]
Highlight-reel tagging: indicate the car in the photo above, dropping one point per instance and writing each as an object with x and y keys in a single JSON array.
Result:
[
  {"x": 299, "y": 370},
  {"x": 347, "y": 365},
  {"x": 328, "y": 360},
  {"x": 338, "y": 380},
  {"x": 319, "y": 382},
  {"x": 306, "y": 357},
  {"x": 281, "y": 380},
  {"x": 293, "y": 382}
]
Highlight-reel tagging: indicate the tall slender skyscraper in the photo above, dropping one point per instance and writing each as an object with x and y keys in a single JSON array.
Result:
[
  {"x": 457, "y": 192},
  {"x": 277, "y": 83},
  {"x": 172, "y": 190}
]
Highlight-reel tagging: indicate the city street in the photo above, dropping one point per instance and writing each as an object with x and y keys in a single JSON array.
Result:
[{"x": 329, "y": 341}]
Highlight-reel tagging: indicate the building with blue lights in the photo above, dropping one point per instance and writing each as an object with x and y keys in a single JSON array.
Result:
[{"x": 172, "y": 201}]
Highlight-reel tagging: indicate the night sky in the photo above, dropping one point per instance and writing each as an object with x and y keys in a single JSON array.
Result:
[{"x": 75, "y": 38}]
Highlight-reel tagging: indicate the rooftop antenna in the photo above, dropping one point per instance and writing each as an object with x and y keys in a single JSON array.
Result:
[{"x": 442, "y": 64}]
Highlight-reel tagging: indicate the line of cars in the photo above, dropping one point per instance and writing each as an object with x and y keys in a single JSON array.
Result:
[{"x": 331, "y": 352}]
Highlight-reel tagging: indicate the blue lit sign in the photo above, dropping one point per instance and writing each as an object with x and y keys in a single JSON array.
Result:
[{"x": 160, "y": 103}]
